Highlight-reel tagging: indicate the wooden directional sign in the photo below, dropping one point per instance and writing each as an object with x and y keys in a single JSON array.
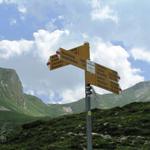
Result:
[
  {"x": 102, "y": 82},
  {"x": 55, "y": 62},
  {"x": 101, "y": 71},
  {"x": 106, "y": 72},
  {"x": 103, "y": 77},
  {"x": 96, "y": 74},
  {"x": 71, "y": 58},
  {"x": 88, "y": 65},
  {"x": 80, "y": 51}
]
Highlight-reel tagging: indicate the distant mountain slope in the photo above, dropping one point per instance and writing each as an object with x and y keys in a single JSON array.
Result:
[
  {"x": 13, "y": 99},
  {"x": 126, "y": 128},
  {"x": 138, "y": 93}
]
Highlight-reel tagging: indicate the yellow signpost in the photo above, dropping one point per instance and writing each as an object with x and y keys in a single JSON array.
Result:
[
  {"x": 106, "y": 72},
  {"x": 72, "y": 59},
  {"x": 103, "y": 82},
  {"x": 95, "y": 74},
  {"x": 55, "y": 62},
  {"x": 80, "y": 51}
]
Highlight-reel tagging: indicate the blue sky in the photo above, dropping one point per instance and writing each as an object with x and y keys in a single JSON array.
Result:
[{"x": 31, "y": 31}]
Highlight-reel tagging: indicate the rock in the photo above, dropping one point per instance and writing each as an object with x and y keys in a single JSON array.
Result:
[
  {"x": 3, "y": 139},
  {"x": 124, "y": 138},
  {"x": 106, "y": 123},
  {"x": 106, "y": 137}
]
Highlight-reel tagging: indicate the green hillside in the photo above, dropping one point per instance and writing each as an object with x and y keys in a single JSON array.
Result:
[
  {"x": 13, "y": 99},
  {"x": 7, "y": 117},
  {"x": 138, "y": 93},
  {"x": 126, "y": 128}
]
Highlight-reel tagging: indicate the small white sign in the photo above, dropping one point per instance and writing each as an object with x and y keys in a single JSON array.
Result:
[{"x": 90, "y": 66}]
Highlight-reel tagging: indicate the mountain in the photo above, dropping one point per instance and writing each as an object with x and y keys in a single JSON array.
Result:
[
  {"x": 12, "y": 98},
  {"x": 23, "y": 118},
  {"x": 119, "y": 128},
  {"x": 137, "y": 93}
]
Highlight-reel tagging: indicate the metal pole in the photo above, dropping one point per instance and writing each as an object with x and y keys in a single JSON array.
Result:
[{"x": 88, "y": 116}]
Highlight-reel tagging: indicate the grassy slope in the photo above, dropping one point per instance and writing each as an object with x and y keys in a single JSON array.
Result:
[
  {"x": 139, "y": 92},
  {"x": 9, "y": 119},
  {"x": 35, "y": 107},
  {"x": 10, "y": 116},
  {"x": 13, "y": 98},
  {"x": 126, "y": 128}
]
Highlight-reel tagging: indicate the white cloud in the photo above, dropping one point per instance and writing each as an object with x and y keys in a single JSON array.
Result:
[
  {"x": 46, "y": 43},
  {"x": 30, "y": 92},
  {"x": 50, "y": 26},
  {"x": 140, "y": 54},
  {"x": 76, "y": 26},
  {"x": 71, "y": 95},
  {"x": 22, "y": 9},
  {"x": 116, "y": 57},
  {"x": 100, "y": 12},
  {"x": 53, "y": 97},
  {"x": 13, "y": 48},
  {"x": 20, "y": 5},
  {"x": 61, "y": 17},
  {"x": 41, "y": 92},
  {"x": 10, "y": 1}
]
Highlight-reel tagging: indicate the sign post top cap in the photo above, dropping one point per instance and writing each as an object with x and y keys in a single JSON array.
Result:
[{"x": 86, "y": 43}]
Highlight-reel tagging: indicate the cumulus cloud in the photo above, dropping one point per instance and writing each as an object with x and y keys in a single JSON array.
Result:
[
  {"x": 4, "y": 1},
  {"x": 116, "y": 57},
  {"x": 13, "y": 48},
  {"x": 100, "y": 12},
  {"x": 69, "y": 26},
  {"x": 30, "y": 92},
  {"x": 140, "y": 54},
  {"x": 10, "y": 1},
  {"x": 105, "y": 53},
  {"x": 45, "y": 43},
  {"x": 22, "y": 9},
  {"x": 112, "y": 56},
  {"x": 71, "y": 95},
  {"x": 20, "y": 5}
]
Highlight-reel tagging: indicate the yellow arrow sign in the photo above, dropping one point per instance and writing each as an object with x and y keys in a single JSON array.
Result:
[
  {"x": 87, "y": 65},
  {"x": 80, "y": 51},
  {"x": 102, "y": 82},
  {"x": 106, "y": 72},
  {"x": 55, "y": 62},
  {"x": 71, "y": 58},
  {"x": 96, "y": 74}
]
